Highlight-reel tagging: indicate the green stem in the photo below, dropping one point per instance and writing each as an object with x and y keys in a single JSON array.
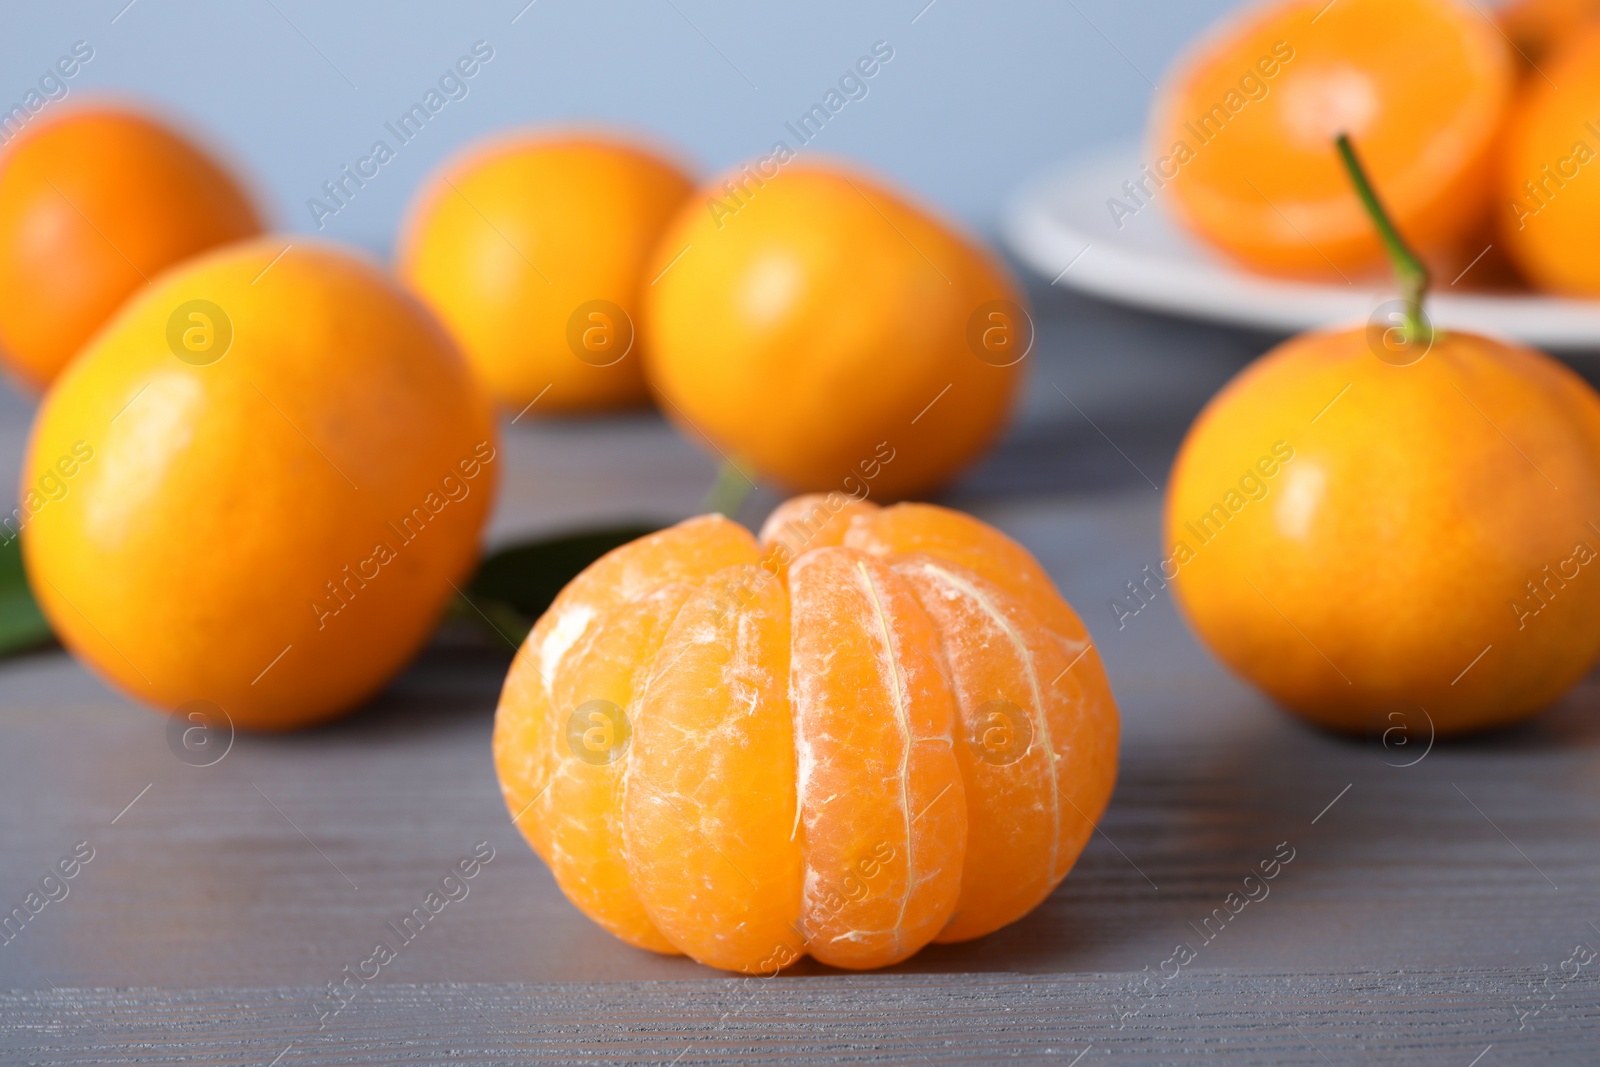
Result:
[
  {"x": 728, "y": 492},
  {"x": 1408, "y": 269}
]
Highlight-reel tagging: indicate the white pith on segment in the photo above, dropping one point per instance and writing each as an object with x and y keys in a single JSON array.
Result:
[
  {"x": 868, "y": 714},
  {"x": 890, "y": 661},
  {"x": 1040, "y": 721}
]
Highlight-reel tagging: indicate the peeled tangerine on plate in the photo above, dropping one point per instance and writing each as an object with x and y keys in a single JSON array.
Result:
[
  {"x": 870, "y": 730},
  {"x": 1242, "y": 139}
]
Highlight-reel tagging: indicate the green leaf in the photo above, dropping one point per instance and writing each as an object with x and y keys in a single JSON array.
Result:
[
  {"x": 515, "y": 585},
  {"x": 22, "y": 626}
]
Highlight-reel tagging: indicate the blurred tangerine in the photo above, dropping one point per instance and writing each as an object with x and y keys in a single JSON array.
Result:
[
  {"x": 95, "y": 202},
  {"x": 257, "y": 486},
  {"x": 1539, "y": 28},
  {"x": 531, "y": 250},
  {"x": 1549, "y": 174},
  {"x": 1244, "y": 134},
  {"x": 814, "y": 323}
]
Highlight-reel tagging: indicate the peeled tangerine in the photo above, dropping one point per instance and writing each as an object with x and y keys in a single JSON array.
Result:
[
  {"x": 1384, "y": 543},
  {"x": 870, "y": 730},
  {"x": 1244, "y": 135}
]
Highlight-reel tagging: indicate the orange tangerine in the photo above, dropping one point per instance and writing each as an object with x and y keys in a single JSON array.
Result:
[
  {"x": 1363, "y": 519},
  {"x": 1549, "y": 210},
  {"x": 1538, "y": 28},
  {"x": 255, "y": 488},
  {"x": 531, "y": 250},
  {"x": 1241, "y": 140},
  {"x": 95, "y": 201},
  {"x": 870, "y": 730},
  {"x": 1380, "y": 546},
  {"x": 818, "y": 326}
]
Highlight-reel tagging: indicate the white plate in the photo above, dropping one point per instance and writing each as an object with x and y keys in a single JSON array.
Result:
[{"x": 1060, "y": 225}]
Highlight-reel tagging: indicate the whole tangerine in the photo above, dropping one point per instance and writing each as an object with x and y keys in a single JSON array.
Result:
[
  {"x": 1243, "y": 136},
  {"x": 1363, "y": 540},
  {"x": 95, "y": 202},
  {"x": 531, "y": 250},
  {"x": 811, "y": 322},
  {"x": 1549, "y": 210},
  {"x": 870, "y": 730},
  {"x": 1393, "y": 528},
  {"x": 1539, "y": 28},
  {"x": 257, "y": 486}
]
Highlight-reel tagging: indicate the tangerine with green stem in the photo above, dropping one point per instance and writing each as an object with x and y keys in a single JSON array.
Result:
[{"x": 1384, "y": 536}]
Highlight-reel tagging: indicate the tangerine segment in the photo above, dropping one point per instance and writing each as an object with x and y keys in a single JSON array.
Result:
[
  {"x": 598, "y": 688},
  {"x": 529, "y": 730},
  {"x": 881, "y": 797},
  {"x": 1245, "y": 136},
  {"x": 907, "y": 529},
  {"x": 709, "y": 803},
  {"x": 521, "y": 729},
  {"x": 812, "y": 520},
  {"x": 1026, "y": 820}
]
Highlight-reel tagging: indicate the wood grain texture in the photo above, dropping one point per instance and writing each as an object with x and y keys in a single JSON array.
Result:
[
  {"x": 1425, "y": 915},
  {"x": 1266, "y": 1017}
]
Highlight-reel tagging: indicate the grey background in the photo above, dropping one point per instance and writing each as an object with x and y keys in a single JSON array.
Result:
[{"x": 979, "y": 92}]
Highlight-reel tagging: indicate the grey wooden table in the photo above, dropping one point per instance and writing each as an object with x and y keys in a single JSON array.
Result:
[{"x": 1438, "y": 911}]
